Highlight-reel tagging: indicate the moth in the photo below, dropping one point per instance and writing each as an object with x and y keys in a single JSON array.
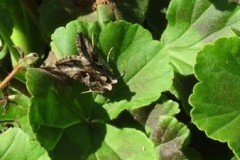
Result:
[{"x": 87, "y": 67}]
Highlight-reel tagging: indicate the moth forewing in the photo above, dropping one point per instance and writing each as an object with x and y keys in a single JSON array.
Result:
[
  {"x": 84, "y": 47},
  {"x": 88, "y": 67},
  {"x": 97, "y": 63},
  {"x": 71, "y": 66}
]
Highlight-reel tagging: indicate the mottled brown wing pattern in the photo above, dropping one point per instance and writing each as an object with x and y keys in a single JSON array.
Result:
[
  {"x": 71, "y": 66},
  {"x": 87, "y": 67}
]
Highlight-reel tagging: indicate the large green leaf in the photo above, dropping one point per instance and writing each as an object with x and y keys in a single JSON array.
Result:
[
  {"x": 190, "y": 28},
  {"x": 15, "y": 144},
  {"x": 147, "y": 70},
  {"x": 216, "y": 98},
  {"x": 144, "y": 68},
  {"x": 125, "y": 144},
  {"x": 61, "y": 115}
]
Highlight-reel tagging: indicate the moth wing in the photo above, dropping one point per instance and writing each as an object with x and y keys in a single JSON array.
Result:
[
  {"x": 70, "y": 66},
  {"x": 85, "y": 48}
]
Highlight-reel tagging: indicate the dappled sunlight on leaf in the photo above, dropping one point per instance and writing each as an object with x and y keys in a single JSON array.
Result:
[
  {"x": 215, "y": 98},
  {"x": 190, "y": 28},
  {"x": 19, "y": 146}
]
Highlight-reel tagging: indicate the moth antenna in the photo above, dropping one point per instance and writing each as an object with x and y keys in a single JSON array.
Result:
[
  {"x": 89, "y": 91},
  {"x": 109, "y": 52},
  {"x": 121, "y": 75}
]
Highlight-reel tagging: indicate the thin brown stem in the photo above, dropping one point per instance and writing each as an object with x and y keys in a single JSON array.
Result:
[
  {"x": 4, "y": 83},
  {"x": 15, "y": 83}
]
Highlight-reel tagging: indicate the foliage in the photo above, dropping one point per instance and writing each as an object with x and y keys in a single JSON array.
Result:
[{"x": 176, "y": 76}]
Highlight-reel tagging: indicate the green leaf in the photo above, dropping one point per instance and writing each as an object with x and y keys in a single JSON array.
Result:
[
  {"x": 234, "y": 158},
  {"x": 50, "y": 95},
  {"x": 3, "y": 51},
  {"x": 133, "y": 11},
  {"x": 168, "y": 108},
  {"x": 26, "y": 35},
  {"x": 17, "y": 111},
  {"x": 6, "y": 24},
  {"x": 64, "y": 11},
  {"x": 124, "y": 144},
  {"x": 146, "y": 69},
  {"x": 15, "y": 144},
  {"x": 133, "y": 54},
  {"x": 62, "y": 116},
  {"x": 6, "y": 29},
  {"x": 81, "y": 139},
  {"x": 53, "y": 15},
  {"x": 105, "y": 12},
  {"x": 169, "y": 136},
  {"x": 215, "y": 98},
  {"x": 190, "y": 28},
  {"x": 22, "y": 32}
]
